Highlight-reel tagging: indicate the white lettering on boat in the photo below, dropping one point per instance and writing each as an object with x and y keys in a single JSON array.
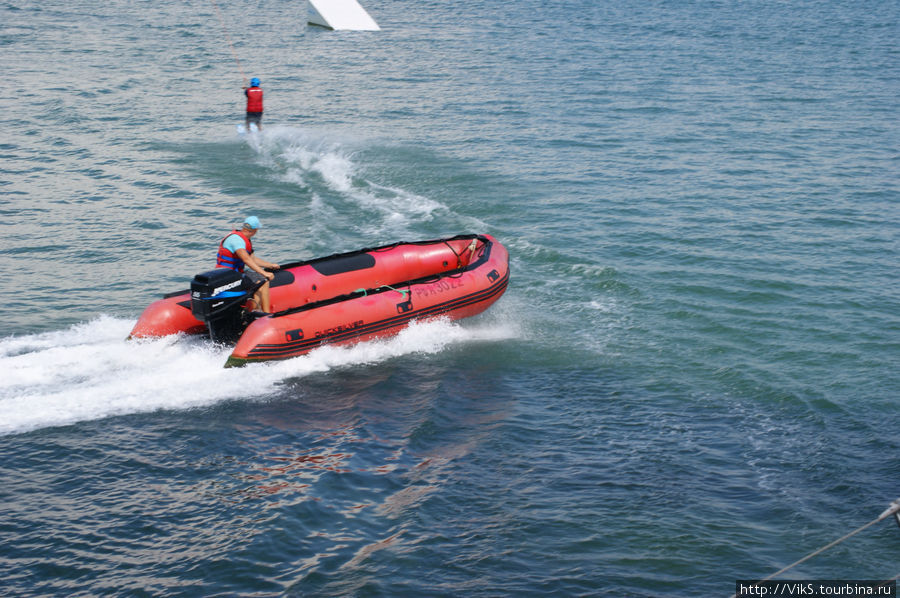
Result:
[{"x": 225, "y": 287}]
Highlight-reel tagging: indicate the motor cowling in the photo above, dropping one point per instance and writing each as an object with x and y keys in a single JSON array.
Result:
[{"x": 217, "y": 297}]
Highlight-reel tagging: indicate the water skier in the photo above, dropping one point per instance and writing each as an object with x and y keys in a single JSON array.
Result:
[{"x": 254, "y": 95}]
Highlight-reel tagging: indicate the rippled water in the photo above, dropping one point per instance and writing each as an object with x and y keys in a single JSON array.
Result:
[{"x": 692, "y": 378}]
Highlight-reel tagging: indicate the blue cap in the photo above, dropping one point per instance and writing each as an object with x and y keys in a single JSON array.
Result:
[
  {"x": 252, "y": 222},
  {"x": 254, "y": 82}
]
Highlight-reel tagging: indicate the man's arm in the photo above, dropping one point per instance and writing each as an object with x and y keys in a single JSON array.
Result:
[{"x": 257, "y": 264}]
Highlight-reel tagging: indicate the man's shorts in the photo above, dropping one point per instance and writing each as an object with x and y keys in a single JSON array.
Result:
[
  {"x": 252, "y": 279},
  {"x": 254, "y": 117}
]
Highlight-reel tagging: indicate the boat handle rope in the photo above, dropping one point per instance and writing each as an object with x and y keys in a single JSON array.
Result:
[
  {"x": 471, "y": 248},
  {"x": 458, "y": 256},
  {"x": 893, "y": 509},
  {"x": 402, "y": 292},
  {"x": 365, "y": 292}
]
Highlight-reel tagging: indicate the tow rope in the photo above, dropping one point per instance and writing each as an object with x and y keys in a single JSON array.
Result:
[{"x": 228, "y": 37}]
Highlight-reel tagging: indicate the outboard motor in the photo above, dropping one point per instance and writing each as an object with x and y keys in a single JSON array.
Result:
[{"x": 216, "y": 299}]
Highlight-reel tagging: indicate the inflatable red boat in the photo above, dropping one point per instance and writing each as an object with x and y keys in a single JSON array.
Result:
[{"x": 347, "y": 297}]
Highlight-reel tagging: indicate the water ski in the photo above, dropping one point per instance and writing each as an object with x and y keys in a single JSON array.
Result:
[{"x": 242, "y": 129}]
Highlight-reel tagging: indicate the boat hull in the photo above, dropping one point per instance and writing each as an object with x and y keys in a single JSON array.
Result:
[{"x": 356, "y": 296}]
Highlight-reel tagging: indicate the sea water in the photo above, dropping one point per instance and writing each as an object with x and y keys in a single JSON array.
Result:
[{"x": 693, "y": 377}]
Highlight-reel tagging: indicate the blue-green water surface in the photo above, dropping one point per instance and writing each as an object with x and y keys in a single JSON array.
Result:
[{"x": 693, "y": 377}]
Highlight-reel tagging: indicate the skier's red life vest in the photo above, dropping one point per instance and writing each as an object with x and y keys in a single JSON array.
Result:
[{"x": 254, "y": 99}]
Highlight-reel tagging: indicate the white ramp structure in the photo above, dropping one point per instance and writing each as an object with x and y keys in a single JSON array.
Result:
[{"x": 344, "y": 15}]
